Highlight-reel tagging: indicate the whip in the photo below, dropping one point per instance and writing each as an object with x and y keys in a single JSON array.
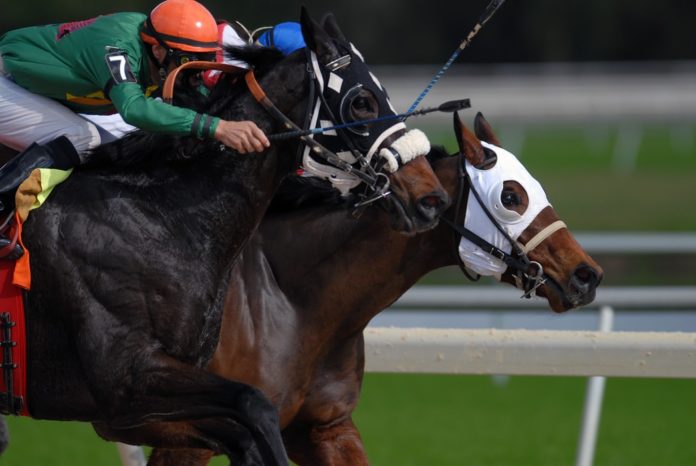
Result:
[
  {"x": 487, "y": 15},
  {"x": 447, "y": 107}
]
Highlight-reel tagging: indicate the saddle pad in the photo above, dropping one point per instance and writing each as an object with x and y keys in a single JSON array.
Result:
[{"x": 31, "y": 196}]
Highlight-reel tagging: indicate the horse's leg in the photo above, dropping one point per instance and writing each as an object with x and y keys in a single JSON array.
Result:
[
  {"x": 323, "y": 433},
  {"x": 337, "y": 444},
  {"x": 229, "y": 416},
  {"x": 179, "y": 435},
  {"x": 180, "y": 438}
]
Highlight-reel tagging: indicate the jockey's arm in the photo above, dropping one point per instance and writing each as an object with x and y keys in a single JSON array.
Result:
[{"x": 153, "y": 115}]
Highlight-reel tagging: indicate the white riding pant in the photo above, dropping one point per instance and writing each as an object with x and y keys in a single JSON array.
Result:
[{"x": 26, "y": 118}]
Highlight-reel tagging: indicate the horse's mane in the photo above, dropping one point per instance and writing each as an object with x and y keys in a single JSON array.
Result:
[
  {"x": 297, "y": 192},
  {"x": 141, "y": 149},
  {"x": 437, "y": 153}
]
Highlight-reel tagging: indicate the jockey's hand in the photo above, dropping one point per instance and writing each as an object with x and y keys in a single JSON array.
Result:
[{"x": 242, "y": 136}]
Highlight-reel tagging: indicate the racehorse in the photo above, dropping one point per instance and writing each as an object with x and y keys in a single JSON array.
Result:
[
  {"x": 131, "y": 263},
  {"x": 311, "y": 279}
]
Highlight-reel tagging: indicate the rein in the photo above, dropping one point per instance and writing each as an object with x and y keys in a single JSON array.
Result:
[
  {"x": 370, "y": 179},
  {"x": 168, "y": 88},
  {"x": 447, "y": 107},
  {"x": 529, "y": 275}
]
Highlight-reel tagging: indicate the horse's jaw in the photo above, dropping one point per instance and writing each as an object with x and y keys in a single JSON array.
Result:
[{"x": 560, "y": 299}]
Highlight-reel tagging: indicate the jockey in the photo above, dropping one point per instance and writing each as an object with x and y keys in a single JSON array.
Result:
[
  {"x": 108, "y": 64},
  {"x": 286, "y": 37}
]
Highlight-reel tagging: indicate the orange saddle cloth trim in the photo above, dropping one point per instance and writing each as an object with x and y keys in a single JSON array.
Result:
[{"x": 21, "y": 275}]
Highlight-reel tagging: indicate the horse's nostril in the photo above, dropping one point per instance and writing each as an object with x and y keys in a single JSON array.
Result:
[
  {"x": 585, "y": 278},
  {"x": 431, "y": 201},
  {"x": 432, "y": 205}
]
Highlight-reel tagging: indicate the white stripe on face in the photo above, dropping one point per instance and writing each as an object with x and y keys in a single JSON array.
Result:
[
  {"x": 357, "y": 52},
  {"x": 347, "y": 156},
  {"x": 335, "y": 82},
  {"x": 327, "y": 124},
  {"x": 374, "y": 78}
]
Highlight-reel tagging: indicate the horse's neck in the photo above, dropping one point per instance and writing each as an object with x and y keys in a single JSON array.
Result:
[{"x": 340, "y": 271}]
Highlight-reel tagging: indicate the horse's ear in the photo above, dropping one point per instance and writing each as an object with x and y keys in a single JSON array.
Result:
[
  {"x": 316, "y": 38},
  {"x": 331, "y": 27},
  {"x": 484, "y": 130},
  {"x": 469, "y": 144}
]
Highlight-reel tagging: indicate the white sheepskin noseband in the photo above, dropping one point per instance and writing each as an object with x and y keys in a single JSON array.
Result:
[{"x": 409, "y": 146}]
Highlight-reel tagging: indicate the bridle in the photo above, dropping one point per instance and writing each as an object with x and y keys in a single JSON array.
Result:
[
  {"x": 362, "y": 140},
  {"x": 376, "y": 182},
  {"x": 528, "y": 274}
]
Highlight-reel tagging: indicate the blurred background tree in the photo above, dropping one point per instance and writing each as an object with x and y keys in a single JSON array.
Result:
[{"x": 422, "y": 31}]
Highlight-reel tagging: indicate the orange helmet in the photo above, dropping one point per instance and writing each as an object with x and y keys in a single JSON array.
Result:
[{"x": 181, "y": 25}]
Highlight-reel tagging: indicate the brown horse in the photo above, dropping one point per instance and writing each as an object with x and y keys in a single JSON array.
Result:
[
  {"x": 311, "y": 279},
  {"x": 131, "y": 261}
]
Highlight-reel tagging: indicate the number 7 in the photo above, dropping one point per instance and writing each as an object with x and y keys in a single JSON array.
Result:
[{"x": 121, "y": 65}]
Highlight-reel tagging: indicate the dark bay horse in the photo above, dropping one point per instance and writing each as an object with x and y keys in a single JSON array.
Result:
[
  {"x": 311, "y": 279},
  {"x": 131, "y": 264}
]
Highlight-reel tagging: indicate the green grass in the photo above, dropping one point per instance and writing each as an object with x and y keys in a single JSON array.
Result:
[
  {"x": 46, "y": 443},
  {"x": 458, "y": 420},
  {"x": 530, "y": 421}
]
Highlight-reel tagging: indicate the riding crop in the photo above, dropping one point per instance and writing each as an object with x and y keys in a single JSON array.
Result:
[
  {"x": 487, "y": 15},
  {"x": 447, "y": 107}
]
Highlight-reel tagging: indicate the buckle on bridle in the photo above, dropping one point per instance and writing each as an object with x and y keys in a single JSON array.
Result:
[
  {"x": 498, "y": 254},
  {"x": 380, "y": 192},
  {"x": 338, "y": 63},
  {"x": 531, "y": 281}
]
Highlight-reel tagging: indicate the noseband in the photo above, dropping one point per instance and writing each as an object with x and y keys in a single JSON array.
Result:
[{"x": 528, "y": 274}]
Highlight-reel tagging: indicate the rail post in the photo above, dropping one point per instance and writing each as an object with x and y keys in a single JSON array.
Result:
[
  {"x": 593, "y": 402},
  {"x": 131, "y": 455}
]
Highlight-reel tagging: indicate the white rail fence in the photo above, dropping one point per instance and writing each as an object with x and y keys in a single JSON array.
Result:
[
  {"x": 531, "y": 352},
  {"x": 593, "y": 354},
  {"x": 555, "y": 92}
]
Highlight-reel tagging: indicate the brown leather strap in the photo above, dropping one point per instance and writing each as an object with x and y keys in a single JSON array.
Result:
[
  {"x": 255, "y": 87},
  {"x": 168, "y": 90}
]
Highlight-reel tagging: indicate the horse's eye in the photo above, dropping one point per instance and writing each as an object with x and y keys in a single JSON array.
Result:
[
  {"x": 362, "y": 104},
  {"x": 510, "y": 199}
]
